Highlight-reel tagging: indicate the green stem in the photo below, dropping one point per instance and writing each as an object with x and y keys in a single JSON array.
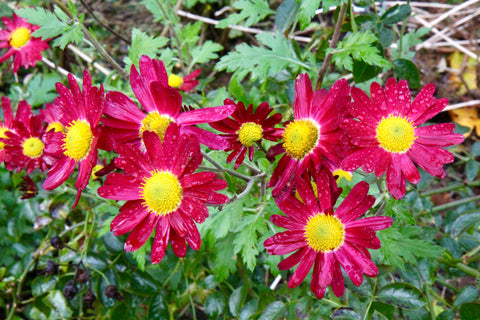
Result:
[
  {"x": 460, "y": 266},
  {"x": 426, "y": 288},
  {"x": 233, "y": 173},
  {"x": 455, "y": 203},
  {"x": 449, "y": 188},
  {"x": 372, "y": 298}
]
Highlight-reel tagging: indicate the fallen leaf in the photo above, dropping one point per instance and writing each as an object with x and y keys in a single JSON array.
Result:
[{"x": 467, "y": 117}]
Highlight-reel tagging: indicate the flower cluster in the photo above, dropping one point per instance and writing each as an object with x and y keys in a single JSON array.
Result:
[{"x": 158, "y": 144}]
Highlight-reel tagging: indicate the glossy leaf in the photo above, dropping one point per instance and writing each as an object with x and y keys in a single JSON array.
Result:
[
  {"x": 402, "y": 295},
  {"x": 406, "y": 69},
  {"x": 464, "y": 222}
]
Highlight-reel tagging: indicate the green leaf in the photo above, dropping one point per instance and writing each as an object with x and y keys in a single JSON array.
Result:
[
  {"x": 249, "y": 309},
  {"x": 468, "y": 294},
  {"x": 58, "y": 304},
  {"x": 41, "y": 285},
  {"x": 214, "y": 305},
  {"x": 471, "y": 169},
  {"x": 71, "y": 34},
  {"x": 402, "y": 295},
  {"x": 143, "y": 283},
  {"x": 476, "y": 149},
  {"x": 386, "y": 37},
  {"x": 406, "y": 69},
  {"x": 41, "y": 88},
  {"x": 140, "y": 255},
  {"x": 158, "y": 309},
  {"x": 235, "y": 300},
  {"x": 396, "y": 14},
  {"x": 143, "y": 44},
  {"x": 357, "y": 46},
  {"x": 246, "y": 240},
  {"x": 205, "y": 52},
  {"x": 408, "y": 40},
  {"x": 363, "y": 71},
  {"x": 345, "y": 314},
  {"x": 273, "y": 311},
  {"x": 446, "y": 315},
  {"x": 307, "y": 12},
  {"x": 262, "y": 62},
  {"x": 402, "y": 244},
  {"x": 50, "y": 25},
  {"x": 225, "y": 263},
  {"x": 463, "y": 222},
  {"x": 112, "y": 243},
  {"x": 251, "y": 12},
  {"x": 286, "y": 14},
  {"x": 469, "y": 311}
]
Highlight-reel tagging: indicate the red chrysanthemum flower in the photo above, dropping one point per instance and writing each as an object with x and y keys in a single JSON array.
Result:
[
  {"x": 247, "y": 128},
  {"x": 161, "y": 105},
  {"x": 28, "y": 188},
  {"x": 324, "y": 238},
  {"x": 313, "y": 134},
  {"x": 162, "y": 192},
  {"x": 52, "y": 118},
  {"x": 5, "y": 126},
  {"x": 17, "y": 38},
  {"x": 79, "y": 112},
  {"x": 26, "y": 144},
  {"x": 388, "y": 138},
  {"x": 187, "y": 83}
]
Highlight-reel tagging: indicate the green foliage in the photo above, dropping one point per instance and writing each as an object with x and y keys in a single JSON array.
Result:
[
  {"x": 54, "y": 24},
  {"x": 261, "y": 62},
  {"x": 403, "y": 244},
  {"x": 250, "y": 13},
  {"x": 143, "y": 44},
  {"x": 358, "y": 46},
  {"x": 205, "y": 52}
]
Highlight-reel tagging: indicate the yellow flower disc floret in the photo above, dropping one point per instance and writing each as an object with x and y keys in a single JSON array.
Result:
[
  {"x": 33, "y": 147},
  {"x": 2, "y": 135},
  {"x": 161, "y": 192},
  {"x": 249, "y": 133},
  {"x": 395, "y": 134},
  {"x": 300, "y": 137},
  {"x": 175, "y": 81},
  {"x": 56, "y": 126},
  {"x": 77, "y": 139},
  {"x": 156, "y": 123},
  {"x": 324, "y": 232},
  {"x": 19, "y": 37}
]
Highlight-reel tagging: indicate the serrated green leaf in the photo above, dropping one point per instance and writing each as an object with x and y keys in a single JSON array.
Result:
[
  {"x": 225, "y": 263},
  {"x": 468, "y": 294},
  {"x": 140, "y": 256},
  {"x": 357, "y": 46},
  {"x": 250, "y": 13},
  {"x": 42, "y": 88},
  {"x": 402, "y": 295},
  {"x": 246, "y": 240},
  {"x": 463, "y": 222},
  {"x": 45, "y": 19},
  {"x": 262, "y": 62},
  {"x": 205, "y": 52},
  {"x": 71, "y": 34},
  {"x": 143, "y": 44}
]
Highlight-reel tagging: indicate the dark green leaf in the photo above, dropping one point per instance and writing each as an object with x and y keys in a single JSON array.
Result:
[
  {"x": 406, "y": 69},
  {"x": 363, "y": 71},
  {"x": 286, "y": 14},
  {"x": 95, "y": 261},
  {"x": 112, "y": 243},
  {"x": 307, "y": 12},
  {"x": 225, "y": 262},
  {"x": 215, "y": 304},
  {"x": 249, "y": 309},
  {"x": 476, "y": 149},
  {"x": 56, "y": 300},
  {"x": 345, "y": 314},
  {"x": 158, "y": 309},
  {"x": 468, "y": 294},
  {"x": 396, "y": 14},
  {"x": 273, "y": 311},
  {"x": 446, "y": 315},
  {"x": 383, "y": 308},
  {"x": 42, "y": 88},
  {"x": 386, "y": 37},
  {"x": 402, "y": 295},
  {"x": 469, "y": 311},
  {"x": 464, "y": 222},
  {"x": 235, "y": 300},
  {"x": 41, "y": 285},
  {"x": 471, "y": 169},
  {"x": 143, "y": 283}
]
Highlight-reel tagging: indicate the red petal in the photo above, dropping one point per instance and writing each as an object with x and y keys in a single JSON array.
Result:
[
  {"x": 160, "y": 242},
  {"x": 303, "y": 96},
  {"x": 375, "y": 223},
  {"x": 141, "y": 233},
  {"x": 205, "y": 115},
  {"x": 303, "y": 268},
  {"x": 293, "y": 259},
  {"x": 131, "y": 214},
  {"x": 178, "y": 244}
]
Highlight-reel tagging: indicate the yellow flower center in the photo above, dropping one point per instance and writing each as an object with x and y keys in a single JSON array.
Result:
[
  {"x": 324, "y": 232},
  {"x": 342, "y": 174},
  {"x": 395, "y": 134},
  {"x": 33, "y": 147},
  {"x": 249, "y": 133},
  {"x": 77, "y": 139},
  {"x": 19, "y": 37},
  {"x": 95, "y": 169},
  {"x": 2, "y": 135},
  {"x": 156, "y": 123},
  {"x": 300, "y": 137},
  {"x": 161, "y": 192},
  {"x": 57, "y": 126},
  {"x": 175, "y": 81}
]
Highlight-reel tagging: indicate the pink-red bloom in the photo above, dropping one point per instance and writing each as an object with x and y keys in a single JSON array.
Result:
[
  {"x": 26, "y": 145},
  {"x": 79, "y": 112},
  {"x": 325, "y": 238},
  {"x": 5, "y": 126},
  {"x": 18, "y": 40},
  {"x": 247, "y": 128},
  {"x": 187, "y": 83},
  {"x": 385, "y": 131},
  {"x": 162, "y": 192},
  {"x": 313, "y": 134},
  {"x": 161, "y": 105}
]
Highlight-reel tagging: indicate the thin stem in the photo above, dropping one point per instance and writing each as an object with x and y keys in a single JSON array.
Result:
[
  {"x": 231, "y": 172},
  {"x": 426, "y": 288},
  {"x": 94, "y": 42},
  {"x": 333, "y": 45},
  {"x": 460, "y": 266},
  {"x": 455, "y": 203},
  {"x": 370, "y": 301},
  {"x": 449, "y": 188}
]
